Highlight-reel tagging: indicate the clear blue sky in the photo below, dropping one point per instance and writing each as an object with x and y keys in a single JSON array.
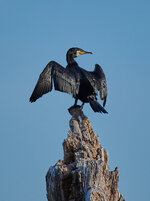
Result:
[{"x": 34, "y": 32}]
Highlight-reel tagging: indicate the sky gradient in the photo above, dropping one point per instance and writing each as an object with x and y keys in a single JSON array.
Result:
[{"x": 31, "y": 135}]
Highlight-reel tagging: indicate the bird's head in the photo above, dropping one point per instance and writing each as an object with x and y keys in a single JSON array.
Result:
[{"x": 75, "y": 52}]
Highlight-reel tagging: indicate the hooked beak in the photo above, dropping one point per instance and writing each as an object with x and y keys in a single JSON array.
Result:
[
  {"x": 85, "y": 52},
  {"x": 80, "y": 52}
]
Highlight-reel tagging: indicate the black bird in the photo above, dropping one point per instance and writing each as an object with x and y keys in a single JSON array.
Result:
[{"x": 82, "y": 84}]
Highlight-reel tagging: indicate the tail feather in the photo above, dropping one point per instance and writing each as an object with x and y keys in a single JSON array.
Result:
[{"x": 97, "y": 107}]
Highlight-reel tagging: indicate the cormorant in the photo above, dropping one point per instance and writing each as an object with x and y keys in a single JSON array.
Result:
[{"x": 82, "y": 84}]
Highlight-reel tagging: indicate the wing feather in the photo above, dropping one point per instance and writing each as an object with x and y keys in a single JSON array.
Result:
[
  {"x": 63, "y": 81},
  {"x": 100, "y": 82}
]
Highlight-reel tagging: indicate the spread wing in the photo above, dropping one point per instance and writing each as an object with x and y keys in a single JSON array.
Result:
[
  {"x": 98, "y": 81},
  {"x": 62, "y": 78}
]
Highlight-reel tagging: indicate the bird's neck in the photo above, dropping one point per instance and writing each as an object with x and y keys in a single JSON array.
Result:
[{"x": 70, "y": 59}]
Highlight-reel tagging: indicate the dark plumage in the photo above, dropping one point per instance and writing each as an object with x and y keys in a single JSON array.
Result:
[{"x": 82, "y": 84}]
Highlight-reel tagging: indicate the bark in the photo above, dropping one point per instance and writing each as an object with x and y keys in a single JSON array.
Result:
[{"x": 84, "y": 173}]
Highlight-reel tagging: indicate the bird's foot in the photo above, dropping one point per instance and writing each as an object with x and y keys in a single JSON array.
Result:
[{"x": 76, "y": 112}]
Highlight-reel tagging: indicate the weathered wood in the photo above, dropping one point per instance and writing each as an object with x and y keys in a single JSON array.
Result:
[{"x": 84, "y": 173}]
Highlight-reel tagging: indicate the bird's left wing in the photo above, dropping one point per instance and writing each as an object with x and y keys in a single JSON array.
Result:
[
  {"x": 63, "y": 80},
  {"x": 99, "y": 81}
]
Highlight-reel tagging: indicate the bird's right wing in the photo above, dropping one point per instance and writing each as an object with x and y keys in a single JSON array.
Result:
[{"x": 63, "y": 80}]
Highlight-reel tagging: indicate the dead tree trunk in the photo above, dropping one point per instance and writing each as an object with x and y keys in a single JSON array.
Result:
[{"x": 84, "y": 173}]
